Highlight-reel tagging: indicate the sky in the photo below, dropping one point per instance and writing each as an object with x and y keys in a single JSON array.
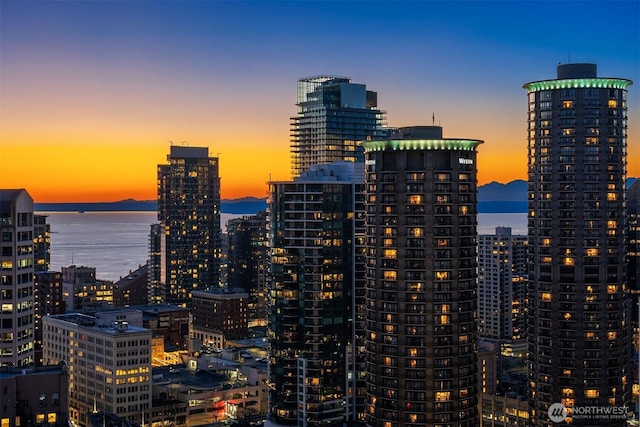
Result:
[{"x": 93, "y": 93}]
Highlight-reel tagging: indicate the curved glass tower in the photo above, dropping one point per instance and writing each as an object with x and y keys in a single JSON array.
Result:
[
  {"x": 579, "y": 312},
  {"x": 421, "y": 218}
]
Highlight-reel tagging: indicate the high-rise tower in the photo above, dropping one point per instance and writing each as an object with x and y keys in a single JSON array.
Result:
[
  {"x": 189, "y": 211},
  {"x": 421, "y": 217},
  {"x": 333, "y": 115},
  {"x": 16, "y": 279},
  {"x": 578, "y": 314},
  {"x": 316, "y": 269},
  {"x": 502, "y": 283}
]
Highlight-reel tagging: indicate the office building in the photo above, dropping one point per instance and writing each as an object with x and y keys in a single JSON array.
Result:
[
  {"x": 421, "y": 244},
  {"x": 16, "y": 278},
  {"x": 109, "y": 363},
  {"x": 189, "y": 213},
  {"x": 313, "y": 223},
  {"x": 579, "y": 316},
  {"x": 248, "y": 262},
  {"x": 502, "y": 284},
  {"x": 333, "y": 115}
]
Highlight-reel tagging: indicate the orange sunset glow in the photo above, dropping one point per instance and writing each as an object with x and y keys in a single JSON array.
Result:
[{"x": 93, "y": 94}]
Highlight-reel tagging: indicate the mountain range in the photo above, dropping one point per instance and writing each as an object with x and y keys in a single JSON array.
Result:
[{"x": 492, "y": 198}]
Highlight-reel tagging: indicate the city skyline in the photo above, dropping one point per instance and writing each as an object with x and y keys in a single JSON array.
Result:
[{"x": 92, "y": 93}]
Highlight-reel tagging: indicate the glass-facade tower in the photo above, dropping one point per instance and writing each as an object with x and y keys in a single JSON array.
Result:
[
  {"x": 333, "y": 115},
  {"x": 578, "y": 309},
  {"x": 315, "y": 270}
]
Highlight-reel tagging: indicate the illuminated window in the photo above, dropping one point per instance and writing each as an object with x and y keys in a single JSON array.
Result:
[
  {"x": 390, "y": 275},
  {"x": 546, "y": 296},
  {"x": 612, "y": 103},
  {"x": 591, "y": 393},
  {"x": 568, "y": 261},
  {"x": 567, "y": 392},
  {"x": 546, "y": 242},
  {"x": 567, "y": 104},
  {"x": 612, "y": 196},
  {"x": 444, "y": 319},
  {"x": 442, "y": 275},
  {"x": 612, "y": 224},
  {"x": 390, "y": 253},
  {"x": 412, "y": 352},
  {"x": 612, "y": 335},
  {"x": 52, "y": 417},
  {"x": 415, "y": 199},
  {"x": 592, "y": 252},
  {"x": 442, "y": 396},
  {"x": 612, "y": 289}
]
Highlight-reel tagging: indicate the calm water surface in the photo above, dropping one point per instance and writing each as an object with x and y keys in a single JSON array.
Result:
[{"x": 116, "y": 243}]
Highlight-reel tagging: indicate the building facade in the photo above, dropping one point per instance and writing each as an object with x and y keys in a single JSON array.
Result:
[
  {"x": 502, "y": 285},
  {"x": 109, "y": 364},
  {"x": 248, "y": 262},
  {"x": 41, "y": 243},
  {"x": 333, "y": 115},
  {"x": 48, "y": 301},
  {"x": 313, "y": 223},
  {"x": 421, "y": 216},
  {"x": 189, "y": 213},
  {"x": 16, "y": 278},
  {"x": 34, "y": 396},
  {"x": 579, "y": 312},
  {"x": 221, "y": 311}
]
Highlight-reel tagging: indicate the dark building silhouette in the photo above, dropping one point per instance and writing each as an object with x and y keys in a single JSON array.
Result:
[
  {"x": 34, "y": 396},
  {"x": 248, "y": 262},
  {"x": 41, "y": 243},
  {"x": 421, "y": 247},
  {"x": 48, "y": 298},
  {"x": 132, "y": 289},
  {"x": 579, "y": 316},
  {"x": 189, "y": 212}
]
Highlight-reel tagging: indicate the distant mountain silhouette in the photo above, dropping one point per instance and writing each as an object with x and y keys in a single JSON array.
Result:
[{"x": 492, "y": 198}]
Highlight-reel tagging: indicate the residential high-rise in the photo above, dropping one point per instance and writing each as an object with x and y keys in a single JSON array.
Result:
[
  {"x": 333, "y": 115},
  {"x": 502, "y": 285},
  {"x": 421, "y": 217},
  {"x": 16, "y": 278},
  {"x": 48, "y": 301},
  {"x": 578, "y": 309},
  {"x": 249, "y": 263},
  {"x": 41, "y": 243},
  {"x": 189, "y": 212},
  {"x": 316, "y": 267}
]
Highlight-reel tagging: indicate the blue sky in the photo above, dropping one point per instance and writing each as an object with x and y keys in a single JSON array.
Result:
[{"x": 223, "y": 73}]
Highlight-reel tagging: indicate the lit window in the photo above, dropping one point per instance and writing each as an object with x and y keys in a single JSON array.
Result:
[
  {"x": 442, "y": 396},
  {"x": 612, "y": 289},
  {"x": 612, "y": 103},
  {"x": 568, "y": 261},
  {"x": 591, "y": 393},
  {"x": 545, "y": 296},
  {"x": 592, "y": 252},
  {"x": 612, "y": 196},
  {"x": 612, "y": 335},
  {"x": 567, "y": 104}
]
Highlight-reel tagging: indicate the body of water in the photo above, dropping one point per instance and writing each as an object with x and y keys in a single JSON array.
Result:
[{"x": 116, "y": 243}]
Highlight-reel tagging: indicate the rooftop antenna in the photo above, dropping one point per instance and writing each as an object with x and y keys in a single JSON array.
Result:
[{"x": 433, "y": 118}]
